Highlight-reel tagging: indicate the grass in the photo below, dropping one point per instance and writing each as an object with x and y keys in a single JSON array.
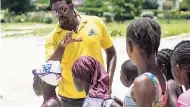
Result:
[
  {"x": 42, "y": 1},
  {"x": 171, "y": 28},
  {"x": 174, "y": 27},
  {"x": 23, "y": 29}
]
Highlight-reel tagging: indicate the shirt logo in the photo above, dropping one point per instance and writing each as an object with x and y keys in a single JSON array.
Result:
[
  {"x": 92, "y": 32},
  {"x": 46, "y": 68}
]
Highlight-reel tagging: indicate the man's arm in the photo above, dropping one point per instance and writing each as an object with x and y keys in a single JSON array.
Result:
[
  {"x": 58, "y": 53},
  {"x": 111, "y": 64},
  {"x": 107, "y": 45}
]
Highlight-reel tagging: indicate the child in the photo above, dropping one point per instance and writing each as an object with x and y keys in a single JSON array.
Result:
[
  {"x": 142, "y": 43},
  {"x": 180, "y": 62},
  {"x": 163, "y": 61},
  {"x": 128, "y": 74},
  {"x": 90, "y": 76},
  {"x": 46, "y": 79}
]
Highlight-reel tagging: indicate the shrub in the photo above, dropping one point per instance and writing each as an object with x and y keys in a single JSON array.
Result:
[
  {"x": 19, "y": 18},
  {"x": 150, "y": 4},
  {"x": 126, "y": 9},
  {"x": 185, "y": 5},
  {"x": 42, "y": 7},
  {"x": 108, "y": 16},
  {"x": 48, "y": 19},
  {"x": 149, "y": 14},
  {"x": 114, "y": 32},
  {"x": 175, "y": 15}
]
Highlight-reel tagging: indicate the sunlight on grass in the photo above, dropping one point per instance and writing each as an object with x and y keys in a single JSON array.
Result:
[
  {"x": 171, "y": 28},
  {"x": 24, "y": 29}
]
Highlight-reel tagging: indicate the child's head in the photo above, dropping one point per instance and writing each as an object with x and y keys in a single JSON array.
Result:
[
  {"x": 46, "y": 77},
  {"x": 128, "y": 73},
  {"x": 39, "y": 86},
  {"x": 180, "y": 62},
  {"x": 163, "y": 61},
  {"x": 89, "y": 75},
  {"x": 142, "y": 39}
]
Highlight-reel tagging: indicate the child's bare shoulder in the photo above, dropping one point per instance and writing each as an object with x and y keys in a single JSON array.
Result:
[{"x": 52, "y": 103}]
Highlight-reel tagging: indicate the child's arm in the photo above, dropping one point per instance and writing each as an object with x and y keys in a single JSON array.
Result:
[
  {"x": 115, "y": 104},
  {"x": 117, "y": 100}
]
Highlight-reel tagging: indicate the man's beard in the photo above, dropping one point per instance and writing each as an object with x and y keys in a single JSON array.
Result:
[{"x": 64, "y": 21}]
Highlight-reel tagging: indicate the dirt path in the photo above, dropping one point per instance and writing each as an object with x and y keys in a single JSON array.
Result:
[{"x": 20, "y": 55}]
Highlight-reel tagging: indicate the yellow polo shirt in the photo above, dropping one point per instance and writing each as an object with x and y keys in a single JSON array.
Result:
[{"x": 95, "y": 36}]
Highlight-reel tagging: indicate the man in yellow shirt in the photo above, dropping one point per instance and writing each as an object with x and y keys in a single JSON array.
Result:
[{"x": 94, "y": 36}]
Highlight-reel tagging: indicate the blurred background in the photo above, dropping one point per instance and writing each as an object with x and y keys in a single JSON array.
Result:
[{"x": 32, "y": 17}]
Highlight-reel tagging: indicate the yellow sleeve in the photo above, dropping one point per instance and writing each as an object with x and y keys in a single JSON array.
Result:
[
  {"x": 106, "y": 41},
  {"x": 50, "y": 45}
]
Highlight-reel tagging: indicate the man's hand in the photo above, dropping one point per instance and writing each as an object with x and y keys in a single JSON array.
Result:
[
  {"x": 110, "y": 85},
  {"x": 59, "y": 52},
  {"x": 68, "y": 39}
]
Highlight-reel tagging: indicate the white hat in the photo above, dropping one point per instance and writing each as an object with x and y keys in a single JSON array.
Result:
[{"x": 50, "y": 72}]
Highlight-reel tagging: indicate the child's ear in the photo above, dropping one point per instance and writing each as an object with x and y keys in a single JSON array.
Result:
[
  {"x": 126, "y": 78},
  {"x": 163, "y": 66},
  {"x": 41, "y": 82}
]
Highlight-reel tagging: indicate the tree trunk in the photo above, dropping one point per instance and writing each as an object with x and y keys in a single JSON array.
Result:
[{"x": 9, "y": 16}]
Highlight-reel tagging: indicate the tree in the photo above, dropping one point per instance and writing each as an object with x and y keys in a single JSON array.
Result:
[
  {"x": 16, "y": 6},
  {"x": 150, "y": 4},
  {"x": 185, "y": 5},
  {"x": 94, "y": 7},
  {"x": 126, "y": 9}
]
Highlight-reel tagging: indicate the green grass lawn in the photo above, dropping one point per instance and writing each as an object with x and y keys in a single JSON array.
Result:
[
  {"x": 24, "y": 29},
  {"x": 174, "y": 27}
]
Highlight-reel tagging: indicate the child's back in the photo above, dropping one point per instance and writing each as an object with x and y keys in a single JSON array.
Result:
[{"x": 184, "y": 99}]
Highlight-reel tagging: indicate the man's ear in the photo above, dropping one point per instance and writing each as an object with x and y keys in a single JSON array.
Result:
[{"x": 71, "y": 5}]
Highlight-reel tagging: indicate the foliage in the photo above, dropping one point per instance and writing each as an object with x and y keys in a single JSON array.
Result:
[
  {"x": 149, "y": 14},
  {"x": 95, "y": 7},
  {"x": 17, "y": 6},
  {"x": 108, "y": 16},
  {"x": 42, "y": 7},
  {"x": 185, "y": 5},
  {"x": 38, "y": 17},
  {"x": 48, "y": 19},
  {"x": 175, "y": 15},
  {"x": 126, "y": 9},
  {"x": 150, "y": 4}
]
